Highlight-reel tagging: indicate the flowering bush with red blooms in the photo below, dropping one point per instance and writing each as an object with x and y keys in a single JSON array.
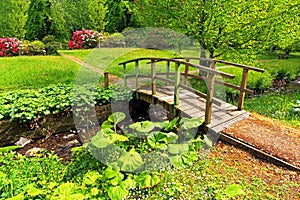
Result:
[
  {"x": 84, "y": 39},
  {"x": 9, "y": 47}
]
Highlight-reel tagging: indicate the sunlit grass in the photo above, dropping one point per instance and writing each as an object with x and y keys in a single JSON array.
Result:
[
  {"x": 35, "y": 71},
  {"x": 276, "y": 105}
]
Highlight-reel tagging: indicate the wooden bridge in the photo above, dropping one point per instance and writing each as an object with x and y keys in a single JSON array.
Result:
[{"x": 176, "y": 96}]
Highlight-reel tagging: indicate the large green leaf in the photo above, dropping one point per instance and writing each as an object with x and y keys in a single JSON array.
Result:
[
  {"x": 186, "y": 123},
  {"x": 145, "y": 126},
  {"x": 187, "y": 158},
  {"x": 116, "y": 117},
  {"x": 131, "y": 161},
  {"x": 172, "y": 125},
  {"x": 7, "y": 149},
  {"x": 67, "y": 191},
  {"x": 91, "y": 177},
  {"x": 148, "y": 180},
  {"x": 100, "y": 140},
  {"x": 178, "y": 148},
  {"x": 33, "y": 191},
  {"x": 234, "y": 190},
  {"x": 117, "y": 192},
  {"x": 117, "y": 137},
  {"x": 110, "y": 173}
]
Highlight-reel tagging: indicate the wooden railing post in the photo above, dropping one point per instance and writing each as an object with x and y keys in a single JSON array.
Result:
[
  {"x": 176, "y": 86},
  {"x": 153, "y": 77},
  {"x": 137, "y": 73},
  {"x": 124, "y": 76},
  {"x": 106, "y": 80},
  {"x": 210, "y": 95},
  {"x": 243, "y": 87},
  {"x": 168, "y": 69},
  {"x": 186, "y": 71}
]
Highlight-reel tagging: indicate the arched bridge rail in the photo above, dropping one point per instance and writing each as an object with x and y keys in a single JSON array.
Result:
[{"x": 210, "y": 78}]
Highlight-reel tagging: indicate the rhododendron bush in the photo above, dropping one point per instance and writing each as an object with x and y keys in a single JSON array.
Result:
[
  {"x": 9, "y": 47},
  {"x": 84, "y": 39}
]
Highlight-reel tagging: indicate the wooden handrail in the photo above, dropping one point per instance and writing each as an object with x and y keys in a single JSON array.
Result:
[{"x": 209, "y": 70}]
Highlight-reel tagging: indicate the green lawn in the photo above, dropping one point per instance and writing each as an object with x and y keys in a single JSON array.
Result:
[
  {"x": 279, "y": 106},
  {"x": 35, "y": 72},
  {"x": 107, "y": 59}
]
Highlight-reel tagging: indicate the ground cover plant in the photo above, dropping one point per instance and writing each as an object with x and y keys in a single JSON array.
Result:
[
  {"x": 35, "y": 72},
  {"x": 127, "y": 170},
  {"x": 26, "y": 105}
]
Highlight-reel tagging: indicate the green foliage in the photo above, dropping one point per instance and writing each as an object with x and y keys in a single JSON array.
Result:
[
  {"x": 282, "y": 69},
  {"x": 26, "y": 105},
  {"x": 118, "y": 16},
  {"x": 51, "y": 45},
  {"x": 282, "y": 106},
  {"x": 18, "y": 17},
  {"x": 221, "y": 26},
  {"x": 7, "y": 149},
  {"x": 135, "y": 151},
  {"x": 97, "y": 12},
  {"x": 33, "y": 48},
  {"x": 44, "y": 18}
]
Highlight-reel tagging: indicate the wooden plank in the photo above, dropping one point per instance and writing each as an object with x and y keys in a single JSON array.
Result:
[{"x": 243, "y": 87}]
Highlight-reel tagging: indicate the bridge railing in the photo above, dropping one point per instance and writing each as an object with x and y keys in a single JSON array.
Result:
[
  {"x": 242, "y": 88},
  {"x": 210, "y": 78},
  {"x": 212, "y": 73}
]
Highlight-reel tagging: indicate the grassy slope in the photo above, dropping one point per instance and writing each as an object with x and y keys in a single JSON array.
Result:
[{"x": 35, "y": 72}]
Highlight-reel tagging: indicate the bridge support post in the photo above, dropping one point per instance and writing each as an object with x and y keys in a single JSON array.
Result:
[
  {"x": 137, "y": 73},
  {"x": 124, "y": 76},
  {"x": 153, "y": 77},
  {"x": 243, "y": 87},
  {"x": 106, "y": 80},
  {"x": 210, "y": 95},
  {"x": 176, "y": 86}
]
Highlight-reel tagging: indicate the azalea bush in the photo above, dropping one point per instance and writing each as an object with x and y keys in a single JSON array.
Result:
[
  {"x": 84, "y": 39},
  {"x": 9, "y": 47}
]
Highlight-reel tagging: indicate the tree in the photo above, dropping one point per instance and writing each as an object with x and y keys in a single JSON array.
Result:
[
  {"x": 45, "y": 18},
  {"x": 119, "y": 15},
  {"x": 218, "y": 25},
  {"x": 18, "y": 17},
  {"x": 97, "y": 12},
  {"x": 5, "y": 9}
]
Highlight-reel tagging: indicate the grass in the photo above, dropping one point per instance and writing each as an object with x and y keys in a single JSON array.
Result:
[
  {"x": 276, "y": 105},
  {"x": 35, "y": 72},
  {"x": 107, "y": 59}
]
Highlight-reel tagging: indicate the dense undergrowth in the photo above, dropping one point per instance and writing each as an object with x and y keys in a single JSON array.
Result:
[{"x": 26, "y": 105}]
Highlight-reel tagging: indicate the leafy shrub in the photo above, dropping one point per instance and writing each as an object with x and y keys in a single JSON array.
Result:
[
  {"x": 114, "y": 40},
  {"x": 9, "y": 47},
  {"x": 33, "y": 48},
  {"x": 51, "y": 45},
  {"x": 25, "y": 105},
  {"x": 84, "y": 39},
  {"x": 286, "y": 70}
]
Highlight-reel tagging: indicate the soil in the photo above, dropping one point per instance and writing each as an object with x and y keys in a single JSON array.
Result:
[
  {"x": 61, "y": 144},
  {"x": 270, "y": 136}
]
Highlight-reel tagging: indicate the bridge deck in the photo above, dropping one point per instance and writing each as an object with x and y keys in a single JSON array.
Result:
[{"x": 191, "y": 105}]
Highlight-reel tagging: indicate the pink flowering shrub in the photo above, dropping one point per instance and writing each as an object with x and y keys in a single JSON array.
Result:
[
  {"x": 84, "y": 39},
  {"x": 9, "y": 47}
]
